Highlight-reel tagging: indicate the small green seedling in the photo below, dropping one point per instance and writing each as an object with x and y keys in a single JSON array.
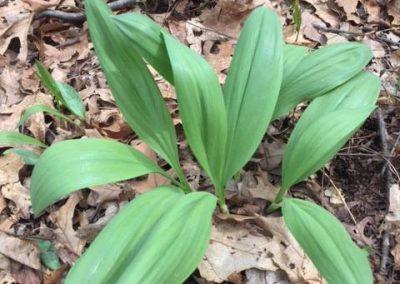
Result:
[
  {"x": 161, "y": 236},
  {"x": 64, "y": 95}
]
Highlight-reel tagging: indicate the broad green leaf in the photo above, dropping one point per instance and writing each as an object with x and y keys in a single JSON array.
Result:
[
  {"x": 48, "y": 254},
  {"x": 320, "y": 72},
  {"x": 13, "y": 138},
  {"x": 326, "y": 242},
  {"x": 326, "y": 125},
  {"x": 41, "y": 108},
  {"x": 72, "y": 100},
  {"x": 64, "y": 94},
  {"x": 145, "y": 35},
  {"x": 201, "y": 107},
  {"x": 75, "y": 164},
  {"x": 132, "y": 84},
  {"x": 252, "y": 86},
  {"x": 29, "y": 157},
  {"x": 293, "y": 54},
  {"x": 159, "y": 237},
  {"x": 48, "y": 81}
]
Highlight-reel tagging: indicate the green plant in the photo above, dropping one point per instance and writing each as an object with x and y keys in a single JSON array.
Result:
[
  {"x": 64, "y": 95},
  {"x": 160, "y": 236}
]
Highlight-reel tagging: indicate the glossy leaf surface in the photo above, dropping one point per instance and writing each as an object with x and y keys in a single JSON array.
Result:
[
  {"x": 159, "y": 237},
  {"x": 201, "y": 108},
  {"x": 326, "y": 125},
  {"x": 75, "y": 164},
  {"x": 326, "y": 242},
  {"x": 293, "y": 55},
  {"x": 145, "y": 35},
  {"x": 132, "y": 85},
  {"x": 252, "y": 86},
  {"x": 321, "y": 71}
]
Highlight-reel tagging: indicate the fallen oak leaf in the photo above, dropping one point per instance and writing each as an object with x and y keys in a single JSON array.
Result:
[
  {"x": 234, "y": 248},
  {"x": 16, "y": 24},
  {"x": 63, "y": 218}
]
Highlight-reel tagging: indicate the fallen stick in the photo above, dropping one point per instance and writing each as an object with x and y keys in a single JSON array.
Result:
[
  {"x": 77, "y": 18},
  {"x": 388, "y": 181}
]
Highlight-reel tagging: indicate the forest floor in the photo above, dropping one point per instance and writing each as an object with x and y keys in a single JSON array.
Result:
[{"x": 360, "y": 185}]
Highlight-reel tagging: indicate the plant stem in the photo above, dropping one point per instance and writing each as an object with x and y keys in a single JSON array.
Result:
[
  {"x": 278, "y": 199},
  {"x": 223, "y": 206},
  {"x": 182, "y": 181}
]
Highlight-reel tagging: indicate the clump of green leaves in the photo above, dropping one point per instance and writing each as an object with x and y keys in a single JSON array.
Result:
[{"x": 161, "y": 236}]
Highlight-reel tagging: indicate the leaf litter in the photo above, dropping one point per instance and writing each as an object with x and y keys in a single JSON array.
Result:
[{"x": 248, "y": 248}]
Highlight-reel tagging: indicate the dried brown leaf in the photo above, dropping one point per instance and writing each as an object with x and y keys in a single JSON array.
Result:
[
  {"x": 20, "y": 196},
  {"x": 22, "y": 251},
  {"x": 234, "y": 248},
  {"x": 63, "y": 218}
]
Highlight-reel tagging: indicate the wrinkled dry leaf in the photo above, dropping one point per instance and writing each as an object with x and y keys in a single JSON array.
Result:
[
  {"x": 22, "y": 251},
  {"x": 257, "y": 186},
  {"x": 20, "y": 196},
  {"x": 10, "y": 165},
  {"x": 9, "y": 90},
  {"x": 233, "y": 248},
  {"x": 308, "y": 30},
  {"x": 103, "y": 193},
  {"x": 377, "y": 49},
  {"x": 24, "y": 274},
  {"x": 394, "y": 11},
  {"x": 6, "y": 277},
  {"x": 350, "y": 8},
  {"x": 16, "y": 20},
  {"x": 227, "y": 16},
  {"x": 63, "y": 218},
  {"x": 324, "y": 12},
  {"x": 219, "y": 56},
  {"x": 89, "y": 231},
  {"x": 40, "y": 5},
  {"x": 256, "y": 276}
]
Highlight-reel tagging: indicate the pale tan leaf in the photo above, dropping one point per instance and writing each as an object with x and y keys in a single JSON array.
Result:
[
  {"x": 22, "y": 251},
  {"x": 233, "y": 248},
  {"x": 63, "y": 218}
]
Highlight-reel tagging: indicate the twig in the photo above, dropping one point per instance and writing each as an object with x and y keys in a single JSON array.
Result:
[
  {"x": 336, "y": 31},
  {"x": 341, "y": 198},
  {"x": 77, "y": 18},
  {"x": 388, "y": 178}
]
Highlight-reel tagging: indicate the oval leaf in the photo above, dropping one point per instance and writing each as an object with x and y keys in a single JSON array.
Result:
[
  {"x": 320, "y": 72},
  {"x": 159, "y": 237},
  {"x": 326, "y": 125},
  {"x": 326, "y": 242},
  {"x": 132, "y": 85},
  {"x": 64, "y": 94},
  {"x": 145, "y": 35},
  {"x": 13, "y": 138},
  {"x": 201, "y": 107},
  {"x": 75, "y": 164},
  {"x": 252, "y": 86},
  {"x": 293, "y": 54}
]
